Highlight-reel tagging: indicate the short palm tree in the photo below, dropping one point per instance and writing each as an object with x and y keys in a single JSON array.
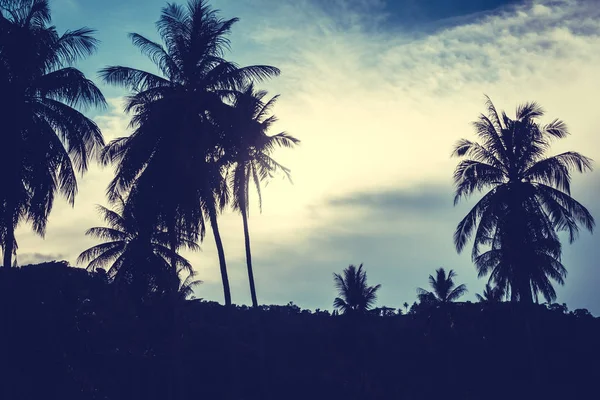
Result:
[
  {"x": 132, "y": 250},
  {"x": 174, "y": 154},
  {"x": 527, "y": 200},
  {"x": 252, "y": 159},
  {"x": 355, "y": 296},
  {"x": 491, "y": 294},
  {"x": 187, "y": 286},
  {"x": 444, "y": 288},
  {"x": 46, "y": 140}
]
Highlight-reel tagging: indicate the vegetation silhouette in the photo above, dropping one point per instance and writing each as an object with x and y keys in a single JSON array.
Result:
[
  {"x": 528, "y": 200},
  {"x": 176, "y": 154},
  {"x": 444, "y": 288},
  {"x": 252, "y": 157},
  {"x": 73, "y": 336},
  {"x": 355, "y": 296},
  {"x": 46, "y": 140},
  {"x": 129, "y": 245},
  {"x": 490, "y": 294}
]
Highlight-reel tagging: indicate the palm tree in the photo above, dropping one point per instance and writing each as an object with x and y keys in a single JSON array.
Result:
[
  {"x": 252, "y": 158},
  {"x": 444, "y": 289},
  {"x": 490, "y": 294},
  {"x": 355, "y": 296},
  {"x": 133, "y": 252},
  {"x": 46, "y": 140},
  {"x": 528, "y": 199},
  {"x": 187, "y": 285},
  {"x": 174, "y": 155}
]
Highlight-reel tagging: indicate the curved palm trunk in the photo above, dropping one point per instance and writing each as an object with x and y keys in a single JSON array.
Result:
[
  {"x": 215, "y": 228},
  {"x": 9, "y": 240},
  {"x": 9, "y": 245},
  {"x": 248, "y": 254}
]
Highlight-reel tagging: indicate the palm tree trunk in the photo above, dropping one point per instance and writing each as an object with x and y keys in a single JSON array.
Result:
[
  {"x": 173, "y": 246},
  {"x": 249, "y": 255},
  {"x": 215, "y": 228},
  {"x": 525, "y": 295},
  {"x": 9, "y": 242}
]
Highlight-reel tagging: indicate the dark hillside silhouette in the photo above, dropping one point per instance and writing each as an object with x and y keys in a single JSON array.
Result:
[{"x": 72, "y": 337}]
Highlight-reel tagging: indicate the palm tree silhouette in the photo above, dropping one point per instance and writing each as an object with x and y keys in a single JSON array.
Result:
[
  {"x": 527, "y": 203},
  {"x": 46, "y": 140},
  {"x": 174, "y": 155},
  {"x": 355, "y": 296},
  {"x": 490, "y": 294},
  {"x": 444, "y": 288},
  {"x": 129, "y": 245},
  {"x": 252, "y": 158},
  {"x": 187, "y": 285}
]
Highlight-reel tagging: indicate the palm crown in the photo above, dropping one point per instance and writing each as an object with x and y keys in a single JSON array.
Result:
[
  {"x": 491, "y": 294},
  {"x": 354, "y": 293},
  {"x": 46, "y": 139},
  {"x": 444, "y": 288},
  {"x": 129, "y": 248},
  {"x": 527, "y": 202}
]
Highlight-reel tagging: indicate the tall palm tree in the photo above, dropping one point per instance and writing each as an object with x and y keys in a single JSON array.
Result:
[
  {"x": 355, "y": 296},
  {"x": 174, "y": 155},
  {"x": 130, "y": 250},
  {"x": 491, "y": 294},
  {"x": 527, "y": 201},
  {"x": 444, "y": 288},
  {"x": 252, "y": 159},
  {"x": 46, "y": 139}
]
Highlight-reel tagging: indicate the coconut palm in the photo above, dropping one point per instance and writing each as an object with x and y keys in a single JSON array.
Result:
[
  {"x": 131, "y": 250},
  {"x": 444, "y": 288},
  {"x": 355, "y": 296},
  {"x": 46, "y": 139},
  {"x": 252, "y": 159},
  {"x": 174, "y": 154},
  {"x": 528, "y": 195},
  {"x": 187, "y": 285},
  {"x": 491, "y": 294}
]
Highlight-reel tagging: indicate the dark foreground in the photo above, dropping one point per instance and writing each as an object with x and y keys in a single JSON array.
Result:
[{"x": 66, "y": 334}]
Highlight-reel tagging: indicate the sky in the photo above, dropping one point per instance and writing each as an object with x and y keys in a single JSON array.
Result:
[{"x": 378, "y": 91}]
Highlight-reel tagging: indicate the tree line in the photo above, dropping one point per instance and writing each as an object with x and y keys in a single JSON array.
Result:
[{"x": 201, "y": 138}]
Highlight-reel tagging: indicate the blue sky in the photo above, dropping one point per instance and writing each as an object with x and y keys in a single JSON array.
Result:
[{"x": 378, "y": 92}]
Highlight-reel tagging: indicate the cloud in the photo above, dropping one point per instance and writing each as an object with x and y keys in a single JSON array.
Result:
[{"x": 37, "y": 258}]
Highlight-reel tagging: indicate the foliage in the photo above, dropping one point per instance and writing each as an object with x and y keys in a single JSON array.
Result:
[
  {"x": 251, "y": 158},
  {"x": 444, "y": 288},
  {"x": 130, "y": 245},
  {"x": 527, "y": 200},
  {"x": 178, "y": 151},
  {"x": 355, "y": 296},
  {"x": 491, "y": 294},
  {"x": 46, "y": 139}
]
